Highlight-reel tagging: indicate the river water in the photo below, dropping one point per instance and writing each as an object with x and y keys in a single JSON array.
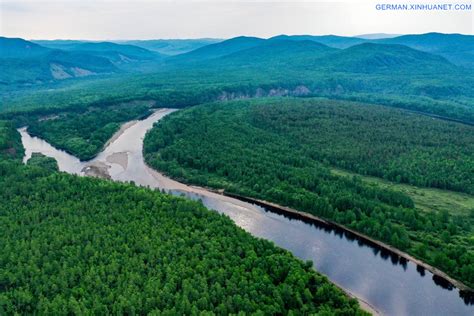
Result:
[{"x": 389, "y": 285}]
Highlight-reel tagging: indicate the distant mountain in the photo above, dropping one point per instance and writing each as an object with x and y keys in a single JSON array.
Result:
[
  {"x": 303, "y": 54},
  {"x": 19, "y": 48},
  {"x": 116, "y": 53},
  {"x": 329, "y": 40},
  {"x": 374, "y": 36},
  {"x": 384, "y": 58},
  {"x": 278, "y": 52},
  {"x": 457, "y": 48},
  {"x": 58, "y": 44},
  {"x": 288, "y": 53},
  {"x": 220, "y": 49},
  {"x": 25, "y": 62},
  {"x": 432, "y": 53},
  {"x": 172, "y": 46}
]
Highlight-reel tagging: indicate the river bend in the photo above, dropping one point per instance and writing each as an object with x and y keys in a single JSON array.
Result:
[{"x": 390, "y": 285}]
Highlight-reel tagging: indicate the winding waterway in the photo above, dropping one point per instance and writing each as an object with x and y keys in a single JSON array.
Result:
[{"x": 390, "y": 285}]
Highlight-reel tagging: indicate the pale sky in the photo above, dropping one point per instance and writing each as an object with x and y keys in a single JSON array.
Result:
[{"x": 152, "y": 19}]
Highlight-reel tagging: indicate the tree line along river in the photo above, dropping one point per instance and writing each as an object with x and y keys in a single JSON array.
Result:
[{"x": 382, "y": 281}]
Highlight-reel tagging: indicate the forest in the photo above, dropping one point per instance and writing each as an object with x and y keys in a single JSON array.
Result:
[
  {"x": 90, "y": 113},
  {"x": 373, "y": 140},
  {"x": 280, "y": 119},
  {"x": 242, "y": 67},
  {"x": 282, "y": 150},
  {"x": 10, "y": 141},
  {"x": 74, "y": 245},
  {"x": 44, "y": 162},
  {"x": 442, "y": 94}
]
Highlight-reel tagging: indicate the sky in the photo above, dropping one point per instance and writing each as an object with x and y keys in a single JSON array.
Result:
[{"x": 152, "y": 19}]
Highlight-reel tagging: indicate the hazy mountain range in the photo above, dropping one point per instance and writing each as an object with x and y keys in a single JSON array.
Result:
[{"x": 27, "y": 62}]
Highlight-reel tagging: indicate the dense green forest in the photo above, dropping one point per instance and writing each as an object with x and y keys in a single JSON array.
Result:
[
  {"x": 281, "y": 151},
  {"x": 443, "y": 94},
  {"x": 95, "y": 102},
  {"x": 75, "y": 245},
  {"x": 393, "y": 75},
  {"x": 42, "y": 161},
  {"x": 10, "y": 141},
  {"x": 373, "y": 140},
  {"x": 242, "y": 67}
]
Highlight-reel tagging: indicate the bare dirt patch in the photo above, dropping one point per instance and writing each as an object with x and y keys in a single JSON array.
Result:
[
  {"x": 97, "y": 169},
  {"x": 120, "y": 158}
]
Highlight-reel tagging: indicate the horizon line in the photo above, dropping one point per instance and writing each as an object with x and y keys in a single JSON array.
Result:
[{"x": 220, "y": 38}]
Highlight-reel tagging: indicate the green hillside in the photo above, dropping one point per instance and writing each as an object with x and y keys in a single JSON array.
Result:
[
  {"x": 19, "y": 48},
  {"x": 457, "y": 48},
  {"x": 23, "y": 62},
  {"x": 383, "y": 74},
  {"x": 276, "y": 53},
  {"x": 219, "y": 49},
  {"x": 312, "y": 56},
  {"x": 370, "y": 58}
]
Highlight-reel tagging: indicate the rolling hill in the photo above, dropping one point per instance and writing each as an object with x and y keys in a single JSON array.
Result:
[
  {"x": 112, "y": 51},
  {"x": 19, "y": 48},
  {"x": 25, "y": 62},
  {"x": 279, "y": 51},
  {"x": 116, "y": 53},
  {"x": 58, "y": 44},
  {"x": 172, "y": 46},
  {"x": 371, "y": 58},
  {"x": 457, "y": 48},
  {"x": 308, "y": 55},
  {"x": 219, "y": 49},
  {"x": 373, "y": 72}
]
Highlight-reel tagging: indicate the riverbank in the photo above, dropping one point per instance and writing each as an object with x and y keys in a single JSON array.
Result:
[
  {"x": 306, "y": 216},
  {"x": 390, "y": 287},
  {"x": 364, "y": 305},
  {"x": 183, "y": 187},
  {"x": 121, "y": 159},
  {"x": 119, "y": 133},
  {"x": 129, "y": 124},
  {"x": 449, "y": 281}
]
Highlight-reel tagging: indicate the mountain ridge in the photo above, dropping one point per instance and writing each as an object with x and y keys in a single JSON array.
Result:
[
  {"x": 25, "y": 62},
  {"x": 305, "y": 53}
]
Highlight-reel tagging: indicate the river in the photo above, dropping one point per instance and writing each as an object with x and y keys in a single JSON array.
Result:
[{"x": 390, "y": 285}]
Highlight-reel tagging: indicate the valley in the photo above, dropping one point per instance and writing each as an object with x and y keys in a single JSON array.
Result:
[
  {"x": 278, "y": 150},
  {"x": 288, "y": 175},
  {"x": 181, "y": 258},
  {"x": 322, "y": 244}
]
